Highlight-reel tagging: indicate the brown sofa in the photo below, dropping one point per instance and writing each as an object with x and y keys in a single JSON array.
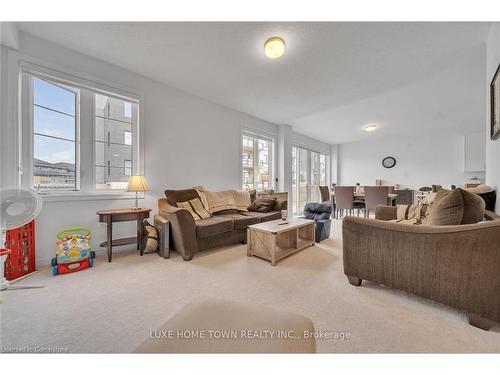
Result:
[
  {"x": 188, "y": 236},
  {"x": 458, "y": 265}
]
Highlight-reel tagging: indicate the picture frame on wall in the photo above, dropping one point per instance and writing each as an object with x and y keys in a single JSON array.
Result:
[{"x": 495, "y": 105}]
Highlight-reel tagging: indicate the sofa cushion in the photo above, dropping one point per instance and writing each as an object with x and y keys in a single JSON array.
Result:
[
  {"x": 264, "y": 216},
  {"x": 175, "y": 196},
  {"x": 213, "y": 226},
  {"x": 448, "y": 209},
  {"x": 226, "y": 212},
  {"x": 241, "y": 221},
  {"x": 262, "y": 205}
]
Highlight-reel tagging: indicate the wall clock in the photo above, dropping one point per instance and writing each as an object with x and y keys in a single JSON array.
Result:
[{"x": 389, "y": 162}]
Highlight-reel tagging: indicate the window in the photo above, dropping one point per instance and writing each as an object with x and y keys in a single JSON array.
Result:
[
  {"x": 128, "y": 138},
  {"x": 127, "y": 165},
  {"x": 127, "y": 109},
  {"x": 77, "y": 138},
  {"x": 257, "y": 162},
  {"x": 113, "y": 142},
  {"x": 55, "y": 138}
]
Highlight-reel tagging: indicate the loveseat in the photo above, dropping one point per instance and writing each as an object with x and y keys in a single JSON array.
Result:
[
  {"x": 188, "y": 236},
  {"x": 457, "y": 265}
]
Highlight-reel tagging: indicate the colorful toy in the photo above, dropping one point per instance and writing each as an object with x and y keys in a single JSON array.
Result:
[{"x": 73, "y": 251}]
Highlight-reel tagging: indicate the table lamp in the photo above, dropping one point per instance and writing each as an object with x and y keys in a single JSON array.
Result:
[{"x": 137, "y": 183}]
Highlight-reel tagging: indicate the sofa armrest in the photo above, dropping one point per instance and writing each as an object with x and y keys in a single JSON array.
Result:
[
  {"x": 163, "y": 226},
  {"x": 456, "y": 265},
  {"x": 490, "y": 215},
  {"x": 182, "y": 228},
  {"x": 386, "y": 213}
]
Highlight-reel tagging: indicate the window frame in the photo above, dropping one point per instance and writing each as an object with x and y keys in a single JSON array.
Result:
[
  {"x": 29, "y": 99},
  {"x": 263, "y": 137},
  {"x": 85, "y": 111}
]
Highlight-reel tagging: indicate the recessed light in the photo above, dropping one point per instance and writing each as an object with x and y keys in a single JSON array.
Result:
[
  {"x": 370, "y": 127},
  {"x": 274, "y": 47}
]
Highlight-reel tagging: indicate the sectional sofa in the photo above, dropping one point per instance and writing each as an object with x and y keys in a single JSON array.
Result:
[{"x": 188, "y": 236}]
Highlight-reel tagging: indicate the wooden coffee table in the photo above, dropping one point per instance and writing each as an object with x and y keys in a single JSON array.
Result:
[{"x": 275, "y": 240}]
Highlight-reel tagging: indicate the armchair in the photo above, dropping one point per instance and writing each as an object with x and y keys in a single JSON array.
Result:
[
  {"x": 458, "y": 265},
  {"x": 320, "y": 213}
]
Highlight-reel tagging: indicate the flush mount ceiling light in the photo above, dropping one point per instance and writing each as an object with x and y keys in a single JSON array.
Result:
[
  {"x": 274, "y": 47},
  {"x": 370, "y": 127}
]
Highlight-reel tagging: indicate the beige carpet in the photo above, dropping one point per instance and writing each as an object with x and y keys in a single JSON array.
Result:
[{"x": 113, "y": 307}]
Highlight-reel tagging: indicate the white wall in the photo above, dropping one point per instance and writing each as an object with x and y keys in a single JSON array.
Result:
[
  {"x": 492, "y": 147},
  {"x": 436, "y": 158},
  {"x": 188, "y": 141}
]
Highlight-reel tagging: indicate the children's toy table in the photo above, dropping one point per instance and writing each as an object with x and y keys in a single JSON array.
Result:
[{"x": 123, "y": 214}]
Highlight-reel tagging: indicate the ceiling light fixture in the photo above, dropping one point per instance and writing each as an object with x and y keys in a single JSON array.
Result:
[
  {"x": 370, "y": 127},
  {"x": 274, "y": 47}
]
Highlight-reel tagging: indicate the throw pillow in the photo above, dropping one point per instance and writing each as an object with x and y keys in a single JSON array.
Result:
[
  {"x": 195, "y": 208},
  {"x": 262, "y": 205},
  {"x": 242, "y": 199},
  {"x": 474, "y": 207},
  {"x": 448, "y": 209}
]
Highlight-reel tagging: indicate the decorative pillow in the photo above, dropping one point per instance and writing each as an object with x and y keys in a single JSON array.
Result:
[
  {"x": 242, "y": 199},
  {"x": 448, "y": 209},
  {"x": 262, "y": 205},
  {"x": 151, "y": 238},
  {"x": 474, "y": 207},
  {"x": 195, "y": 208}
]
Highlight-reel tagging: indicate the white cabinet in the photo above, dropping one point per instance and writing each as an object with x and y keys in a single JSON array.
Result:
[{"x": 475, "y": 152}]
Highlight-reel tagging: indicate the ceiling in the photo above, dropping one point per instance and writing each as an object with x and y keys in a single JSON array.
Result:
[{"x": 334, "y": 77}]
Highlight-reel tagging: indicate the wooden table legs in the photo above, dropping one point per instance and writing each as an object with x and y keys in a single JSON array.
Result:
[
  {"x": 110, "y": 238},
  {"x": 140, "y": 236}
]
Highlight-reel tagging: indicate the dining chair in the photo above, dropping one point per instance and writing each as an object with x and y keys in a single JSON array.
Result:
[
  {"x": 324, "y": 192},
  {"x": 436, "y": 188},
  {"x": 344, "y": 199},
  {"x": 374, "y": 196}
]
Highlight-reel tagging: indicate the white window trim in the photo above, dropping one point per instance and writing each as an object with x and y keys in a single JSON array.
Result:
[
  {"x": 263, "y": 135},
  {"x": 87, "y": 173}
]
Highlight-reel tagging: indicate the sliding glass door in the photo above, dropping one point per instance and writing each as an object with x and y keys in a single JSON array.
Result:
[{"x": 308, "y": 173}]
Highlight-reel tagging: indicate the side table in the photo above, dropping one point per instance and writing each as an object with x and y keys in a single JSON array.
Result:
[{"x": 123, "y": 214}]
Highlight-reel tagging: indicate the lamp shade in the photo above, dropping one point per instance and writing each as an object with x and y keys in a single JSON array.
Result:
[{"x": 137, "y": 183}]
